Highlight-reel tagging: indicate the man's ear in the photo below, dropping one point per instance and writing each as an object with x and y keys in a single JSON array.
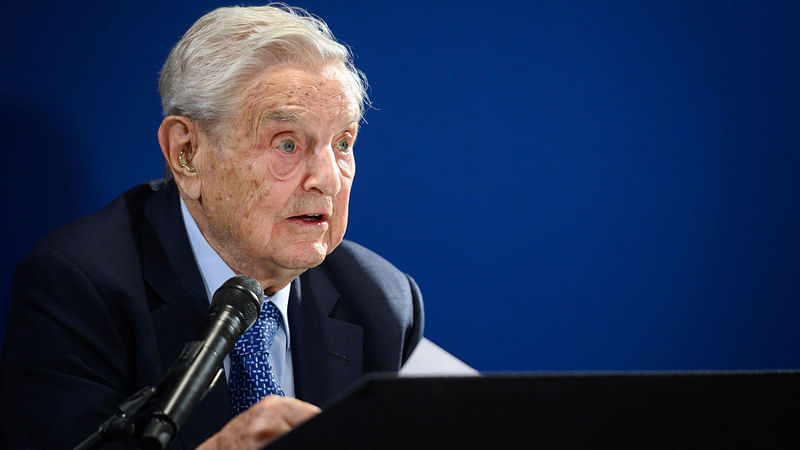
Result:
[{"x": 177, "y": 136}]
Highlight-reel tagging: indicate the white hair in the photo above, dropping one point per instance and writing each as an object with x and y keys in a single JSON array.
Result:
[{"x": 208, "y": 67}]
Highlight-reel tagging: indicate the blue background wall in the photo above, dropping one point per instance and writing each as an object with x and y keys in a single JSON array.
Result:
[{"x": 574, "y": 185}]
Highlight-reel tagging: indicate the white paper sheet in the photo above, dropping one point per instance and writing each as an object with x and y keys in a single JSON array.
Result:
[{"x": 428, "y": 359}]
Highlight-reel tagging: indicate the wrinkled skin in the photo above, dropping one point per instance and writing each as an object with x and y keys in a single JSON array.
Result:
[{"x": 286, "y": 159}]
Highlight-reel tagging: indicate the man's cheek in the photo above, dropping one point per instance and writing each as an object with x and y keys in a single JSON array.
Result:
[
  {"x": 347, "y": 167},
  {"x": 283, "y": 167}
]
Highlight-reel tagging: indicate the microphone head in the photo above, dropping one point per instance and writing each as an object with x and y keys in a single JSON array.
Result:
[{"x": 242, "y": 293}]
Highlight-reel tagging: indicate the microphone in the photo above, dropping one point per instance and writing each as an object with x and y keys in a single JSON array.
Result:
[{"x": 234, "y": 308}]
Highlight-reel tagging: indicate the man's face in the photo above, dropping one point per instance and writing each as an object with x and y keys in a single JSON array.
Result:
[{"x": 276, "y": 194}]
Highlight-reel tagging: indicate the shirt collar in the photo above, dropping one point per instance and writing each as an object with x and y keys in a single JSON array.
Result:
[{"x": 215, "y": 271}]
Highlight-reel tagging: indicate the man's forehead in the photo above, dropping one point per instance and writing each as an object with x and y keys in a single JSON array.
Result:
[{"x": 288, "y": 93}]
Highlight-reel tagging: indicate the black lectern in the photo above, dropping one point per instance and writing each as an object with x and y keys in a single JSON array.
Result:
[{"x": 574, "y": 411}]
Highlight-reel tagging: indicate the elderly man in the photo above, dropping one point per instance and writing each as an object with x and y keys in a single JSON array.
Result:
[{"x": 261, "y": 109}]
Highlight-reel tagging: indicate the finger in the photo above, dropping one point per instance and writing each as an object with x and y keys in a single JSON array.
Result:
[
  {"x": 269, "y": 428},
  {"x": 292, "y": 410}
]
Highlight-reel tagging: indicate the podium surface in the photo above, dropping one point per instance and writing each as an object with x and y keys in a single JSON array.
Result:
[{"x": 630, "y": 410}]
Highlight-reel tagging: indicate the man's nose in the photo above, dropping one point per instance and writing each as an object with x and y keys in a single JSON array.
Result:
[{"x": 323, "y": 171}]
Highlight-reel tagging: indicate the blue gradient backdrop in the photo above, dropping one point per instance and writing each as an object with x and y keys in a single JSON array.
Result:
[{"x": 575, "y": 185}]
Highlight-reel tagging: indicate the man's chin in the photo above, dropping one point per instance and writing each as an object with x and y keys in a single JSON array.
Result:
[{"x": 304, "y": 257}]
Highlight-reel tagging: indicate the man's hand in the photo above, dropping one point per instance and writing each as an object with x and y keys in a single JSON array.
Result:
[{"x": 263, "y": 422}]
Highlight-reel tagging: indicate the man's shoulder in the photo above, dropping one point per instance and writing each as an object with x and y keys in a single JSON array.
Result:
[
  {"x": 105, "y": 236},
  {"x": 352, "y": 253},
  {"x": 351, "y": 258},
  {"x": 360, "y": 272},
  {"x": 112, "y": 221}
]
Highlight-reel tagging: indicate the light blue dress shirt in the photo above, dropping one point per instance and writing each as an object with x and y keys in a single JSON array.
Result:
[{"x": 215, "y": 272}]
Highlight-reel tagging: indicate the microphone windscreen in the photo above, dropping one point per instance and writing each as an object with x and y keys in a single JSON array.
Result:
[{"x": 244, "y": 294}]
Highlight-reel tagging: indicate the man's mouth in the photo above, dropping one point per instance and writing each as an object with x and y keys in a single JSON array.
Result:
[{"x": 310, "y": 218}]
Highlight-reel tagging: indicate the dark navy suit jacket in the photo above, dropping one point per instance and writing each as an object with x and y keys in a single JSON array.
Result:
[{"x": 104, "y": 305}]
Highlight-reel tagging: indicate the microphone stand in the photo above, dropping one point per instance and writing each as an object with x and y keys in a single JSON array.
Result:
[{"x": 121, "y": 424}]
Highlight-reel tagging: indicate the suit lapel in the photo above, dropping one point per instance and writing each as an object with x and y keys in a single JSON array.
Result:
[
  {"x": 170, "y": 268},
  {"x": 327, "y": 353},
  {"x": 180, "y": 305}
]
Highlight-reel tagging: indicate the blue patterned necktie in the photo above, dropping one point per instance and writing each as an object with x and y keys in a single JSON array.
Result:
[{"x": 251, "y": 377}]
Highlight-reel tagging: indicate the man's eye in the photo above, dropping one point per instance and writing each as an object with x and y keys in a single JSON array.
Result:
[
  {"x": 343, "y": 145},
  {"x": 287, "y": 146}
]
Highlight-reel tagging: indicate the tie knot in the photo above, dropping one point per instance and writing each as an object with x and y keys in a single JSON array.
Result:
[{"x": 258, "y": 338}]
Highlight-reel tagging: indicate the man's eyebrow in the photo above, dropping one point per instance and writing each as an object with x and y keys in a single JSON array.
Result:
[
  {"x": 280, "y": 116},
  {"x": 355, "y": 118}
]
